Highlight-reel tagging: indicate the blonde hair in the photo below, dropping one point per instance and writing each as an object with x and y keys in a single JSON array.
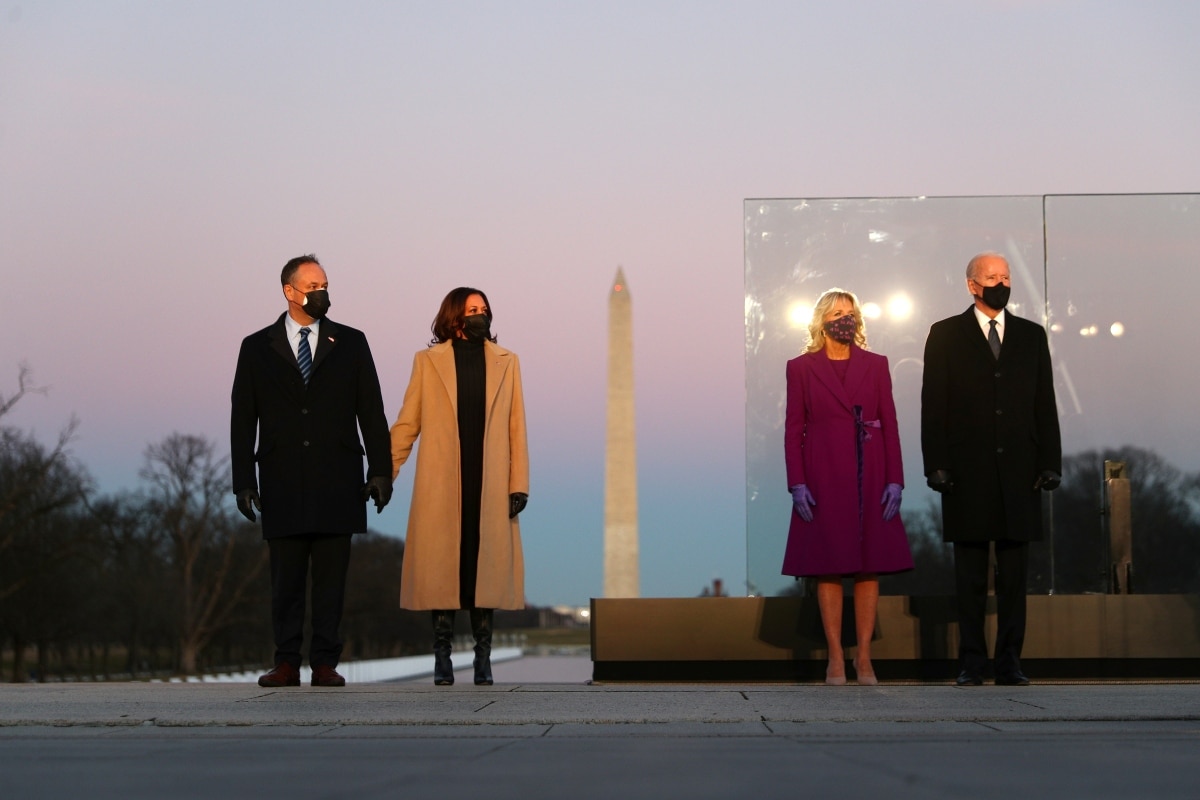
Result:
[{"x": 816, "y": 327}]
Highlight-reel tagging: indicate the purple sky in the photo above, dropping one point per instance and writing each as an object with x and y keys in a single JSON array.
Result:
[{"x": 160, "y": 161}]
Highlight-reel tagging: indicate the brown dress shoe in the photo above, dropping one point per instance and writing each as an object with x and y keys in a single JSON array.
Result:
[
  {"x": 283, "y": 675},
  {"x": 326, "y": 675}
]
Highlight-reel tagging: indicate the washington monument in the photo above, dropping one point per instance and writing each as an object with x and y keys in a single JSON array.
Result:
[{"x": 620, "y": 461}]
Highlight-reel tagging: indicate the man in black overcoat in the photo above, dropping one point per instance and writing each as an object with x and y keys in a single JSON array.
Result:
[
  {"x": 304, "y": 388},
  {"x": 991, "y": 446}
]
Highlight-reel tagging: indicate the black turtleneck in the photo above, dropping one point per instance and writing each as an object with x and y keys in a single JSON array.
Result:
[{"x": 470, "y": 370}]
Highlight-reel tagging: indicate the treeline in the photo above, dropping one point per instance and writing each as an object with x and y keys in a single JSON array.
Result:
[
  {"x": 166, "y": 579},
  {"x": 1165, "y": 505}
]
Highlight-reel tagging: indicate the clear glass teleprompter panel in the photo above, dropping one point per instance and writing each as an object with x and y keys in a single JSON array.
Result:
[{"x": 906, "y": 260}]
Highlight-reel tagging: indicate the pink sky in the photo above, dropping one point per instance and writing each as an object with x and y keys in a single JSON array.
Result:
[{"x": 160, "y": 162}]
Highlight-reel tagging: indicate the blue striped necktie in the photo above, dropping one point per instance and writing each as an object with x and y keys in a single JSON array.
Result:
[{"x": 304, "y": 354}]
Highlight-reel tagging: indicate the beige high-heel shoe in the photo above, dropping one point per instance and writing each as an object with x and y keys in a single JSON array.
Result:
[
  {"x": 865, "y": 678},
  {"x": 834, "y": 680}
]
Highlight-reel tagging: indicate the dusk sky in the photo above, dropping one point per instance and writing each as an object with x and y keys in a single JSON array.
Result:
[{"x": 159, "y": 162}]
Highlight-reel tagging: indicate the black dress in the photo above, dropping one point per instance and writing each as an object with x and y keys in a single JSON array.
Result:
[{"x": 471, "y": 373}]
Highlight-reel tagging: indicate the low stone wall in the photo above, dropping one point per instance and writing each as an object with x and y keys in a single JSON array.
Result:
[{"x": 916, "y": 638}]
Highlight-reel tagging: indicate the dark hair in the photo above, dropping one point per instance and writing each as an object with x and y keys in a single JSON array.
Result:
[
  {"x": 449, "y": 319},
  {"x": 289, "y": 269}
]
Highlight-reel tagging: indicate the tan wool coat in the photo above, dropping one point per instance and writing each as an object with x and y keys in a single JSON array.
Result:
[{"x": 431, "y": 553}]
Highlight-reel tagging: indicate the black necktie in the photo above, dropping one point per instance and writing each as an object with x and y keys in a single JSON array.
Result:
[
  {"x": 304, "y": 355},
  {"x": 994, "y": 338}
]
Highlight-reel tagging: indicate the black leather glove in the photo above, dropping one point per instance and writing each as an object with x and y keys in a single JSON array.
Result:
[
  {"x": 247, "y": 501},
  {"x": 1048, "y": 480},
  {"x": 516, "y": 503},
  {"x": 940, "y": 481},
  {"x": 379, "y": 488}
]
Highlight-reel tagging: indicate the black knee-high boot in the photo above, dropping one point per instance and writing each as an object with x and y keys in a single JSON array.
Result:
[
  {"x": 481, "y": 627},
  {"x": 443, "y": 634}
]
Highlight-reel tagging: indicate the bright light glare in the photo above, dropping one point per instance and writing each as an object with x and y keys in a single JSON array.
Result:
[
  {"x": 872, "y": 310},
  {"x": 1090, "y": 330},
  {"x": 899, "y": 307},
  {"x": 1117, "y": 329},
  {"x": 800, "y": 314}
]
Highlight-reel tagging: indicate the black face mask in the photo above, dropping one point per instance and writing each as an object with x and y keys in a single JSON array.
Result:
[
  {"x": 316, "y": 303},
  {"x": 477, "y": 327},
  {"x": 996, "y": 297}
]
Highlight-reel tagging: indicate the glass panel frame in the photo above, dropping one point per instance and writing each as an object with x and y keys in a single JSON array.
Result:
[{"x": 1078, "y": 263}]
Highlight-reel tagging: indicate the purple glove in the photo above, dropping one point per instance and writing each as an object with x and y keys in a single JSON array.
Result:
[
  {"x": 801, "y": 500},
  {"x": 890, "y": 500}
]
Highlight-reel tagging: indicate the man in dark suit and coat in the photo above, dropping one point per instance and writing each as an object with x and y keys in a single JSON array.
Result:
[
  {"x": 304, "y": 388},
  {"x": 991, "y": 446}
]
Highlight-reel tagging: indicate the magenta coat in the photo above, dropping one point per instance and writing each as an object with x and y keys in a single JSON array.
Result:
[{"x": 822, "y": 438}]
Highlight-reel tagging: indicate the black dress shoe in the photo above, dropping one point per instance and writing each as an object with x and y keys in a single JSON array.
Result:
[
  {"x": 1012, "y": 679},
  {"x": 968, "y": 678}
]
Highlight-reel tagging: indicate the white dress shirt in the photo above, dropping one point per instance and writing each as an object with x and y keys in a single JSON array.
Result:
[{"x": 985, "y": 327}]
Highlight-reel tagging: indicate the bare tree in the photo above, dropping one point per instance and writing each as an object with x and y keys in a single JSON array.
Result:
[
  {"x": 374, "y": 625},
  {"x": 24, "y": 386},
  {"x": 134, "y": 567},
  {"x": 34, "y": 482},
  {"x": 39, "y": 487},
  {"x": 933, "y": 559},
  {"x": 189, "y": 504},
  {"x": 54, "y": 608}
]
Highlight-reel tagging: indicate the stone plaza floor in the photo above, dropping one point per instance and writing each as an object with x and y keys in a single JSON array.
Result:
[{"x": 572, "y": 739}]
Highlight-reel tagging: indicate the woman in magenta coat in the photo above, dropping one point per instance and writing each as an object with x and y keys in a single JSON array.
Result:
[{"x": 845, "y": 475}]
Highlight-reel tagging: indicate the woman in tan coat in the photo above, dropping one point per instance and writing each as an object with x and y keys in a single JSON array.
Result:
[{"x": 464, "y": 540}]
